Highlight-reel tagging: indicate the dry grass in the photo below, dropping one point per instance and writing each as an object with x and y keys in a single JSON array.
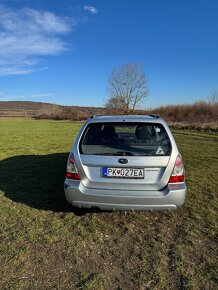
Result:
[{"x": 200, "y": 115}]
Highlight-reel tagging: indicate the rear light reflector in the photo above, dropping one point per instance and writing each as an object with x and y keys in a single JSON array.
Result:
[
  {"x": 174, "y": 179},
  {"x": 72, "y": 172},
  {"x": 71, "y": 175},
  {"x": 178, "y": 174}
]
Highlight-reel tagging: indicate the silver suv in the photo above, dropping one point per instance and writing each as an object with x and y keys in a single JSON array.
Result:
[{"x": 125, "y": 163}]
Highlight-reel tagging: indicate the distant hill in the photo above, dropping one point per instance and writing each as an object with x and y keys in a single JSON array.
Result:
[
  {"x": 38, "y": 110},
  {"x": 200, "y": 115}
]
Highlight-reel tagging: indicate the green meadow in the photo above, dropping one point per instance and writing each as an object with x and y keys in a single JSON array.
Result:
[{"x": 47, "y": 244}]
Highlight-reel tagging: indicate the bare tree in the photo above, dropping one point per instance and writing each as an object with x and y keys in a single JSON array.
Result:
[
  {"x": 128, "y": 86},
  {"x": 213, "y": 97}
]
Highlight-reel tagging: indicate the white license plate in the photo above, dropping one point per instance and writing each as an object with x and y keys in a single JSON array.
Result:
[{"x": 123, "y": 172}]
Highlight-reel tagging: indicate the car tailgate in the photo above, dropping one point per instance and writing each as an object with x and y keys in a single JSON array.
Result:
[{"x": 154, "y": 167}]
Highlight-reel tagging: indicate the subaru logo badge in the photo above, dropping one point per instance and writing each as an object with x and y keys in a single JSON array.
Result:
[{"x": 123, "y": 161}]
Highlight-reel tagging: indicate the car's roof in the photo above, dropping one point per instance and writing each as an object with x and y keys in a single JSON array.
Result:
[{"x": 125, "y": 118}]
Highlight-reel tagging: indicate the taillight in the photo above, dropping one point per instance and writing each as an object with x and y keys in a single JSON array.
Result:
[
  {"x": 72, "y": 172},
  {"x": 178, "y": 174}
]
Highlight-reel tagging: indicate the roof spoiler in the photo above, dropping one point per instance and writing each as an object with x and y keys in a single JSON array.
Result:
[{"x": 150, "y": 115}]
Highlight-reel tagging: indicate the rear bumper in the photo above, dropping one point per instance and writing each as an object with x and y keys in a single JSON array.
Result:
[{"x": 171, "y": 197}]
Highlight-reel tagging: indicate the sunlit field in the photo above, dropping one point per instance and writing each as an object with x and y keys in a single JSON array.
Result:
[{"x": 47, "y": 244}]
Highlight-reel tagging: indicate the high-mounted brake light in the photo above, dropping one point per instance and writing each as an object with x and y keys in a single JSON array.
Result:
[
  {"x": 72, "y": 172},
  {"x": 178, "y": 174}
]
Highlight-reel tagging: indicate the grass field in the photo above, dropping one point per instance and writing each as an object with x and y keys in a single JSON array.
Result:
[{"x": 46, "y": 244}]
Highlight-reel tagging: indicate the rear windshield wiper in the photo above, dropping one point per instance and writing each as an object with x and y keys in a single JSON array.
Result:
[
  {"x": 118, "y": 153},
  {"x": 124, "y": 153}
]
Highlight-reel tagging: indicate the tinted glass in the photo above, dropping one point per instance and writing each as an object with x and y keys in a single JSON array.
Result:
[{"x": 125, "y": 139}]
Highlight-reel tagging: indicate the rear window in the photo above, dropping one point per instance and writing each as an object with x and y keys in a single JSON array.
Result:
[{"x": 125, "y": 139}]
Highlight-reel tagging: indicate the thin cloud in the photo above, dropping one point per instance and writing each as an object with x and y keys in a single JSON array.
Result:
[
  {"x": 43, "y": 96},
  {"x": 27, "y": 35},
  {"x": 7, "y": 71},
  {"x": 90, "y": 9}
]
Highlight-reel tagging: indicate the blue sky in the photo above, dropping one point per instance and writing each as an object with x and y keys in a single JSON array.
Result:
[{"x": 62, "y": 51}]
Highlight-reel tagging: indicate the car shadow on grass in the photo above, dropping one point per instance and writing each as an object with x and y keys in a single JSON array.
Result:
[{"x": 37, "y": 181}]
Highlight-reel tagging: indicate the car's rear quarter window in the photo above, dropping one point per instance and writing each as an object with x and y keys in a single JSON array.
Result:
[{"x": 137, "y": 139}]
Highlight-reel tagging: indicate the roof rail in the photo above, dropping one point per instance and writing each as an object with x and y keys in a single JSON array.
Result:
[
  {"x": 154, "y": 116},
  {"x": 96, "y": 116}
]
